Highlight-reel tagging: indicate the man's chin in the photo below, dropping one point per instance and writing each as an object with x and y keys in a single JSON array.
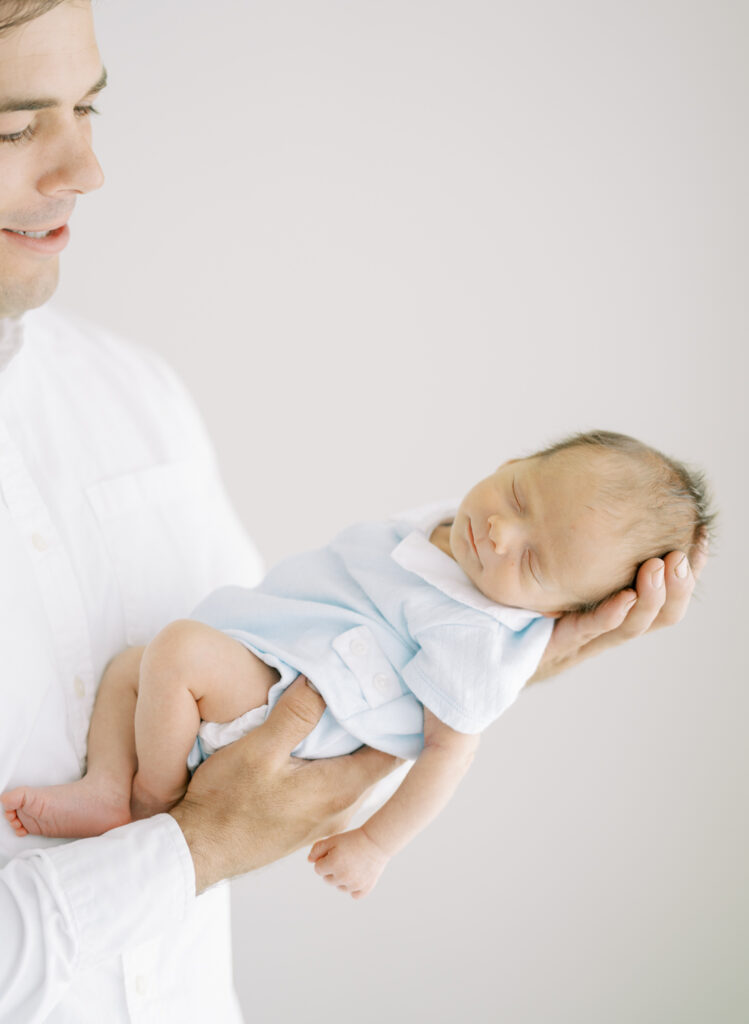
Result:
[{"x": 18, "y": 296}]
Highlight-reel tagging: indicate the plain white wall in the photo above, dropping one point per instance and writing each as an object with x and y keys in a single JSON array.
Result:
[{"x": 387, "y": 245}]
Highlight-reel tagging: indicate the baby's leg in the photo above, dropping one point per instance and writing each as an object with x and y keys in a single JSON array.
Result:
[
  {"x": 101, "y": 799},
  {"x": 189, "y": 672}
]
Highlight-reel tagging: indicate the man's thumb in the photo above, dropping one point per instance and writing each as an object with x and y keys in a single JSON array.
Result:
[{"x": 296, "y": 713}]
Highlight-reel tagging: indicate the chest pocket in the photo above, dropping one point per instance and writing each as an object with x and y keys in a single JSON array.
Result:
[
  {"x": 155, "y": 524},
  {"x": 361, "y": 654}
]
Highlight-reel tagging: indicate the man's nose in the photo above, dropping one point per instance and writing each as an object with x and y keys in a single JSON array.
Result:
[{"x": 72, "y": 166}]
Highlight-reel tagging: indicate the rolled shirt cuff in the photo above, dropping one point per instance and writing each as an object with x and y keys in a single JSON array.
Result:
[{"x": 124, "y": 887}]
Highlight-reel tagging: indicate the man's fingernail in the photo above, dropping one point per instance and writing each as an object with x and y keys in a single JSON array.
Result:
[
  {"x": 657, "y": 578},
  {"x": 682, "y": 568}
]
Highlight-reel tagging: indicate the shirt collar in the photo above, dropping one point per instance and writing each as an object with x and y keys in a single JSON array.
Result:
[{"x": 417, "y": 554}]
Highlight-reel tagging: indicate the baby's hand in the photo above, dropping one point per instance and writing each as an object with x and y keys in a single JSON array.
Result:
[{"x": 351, "y": 861}]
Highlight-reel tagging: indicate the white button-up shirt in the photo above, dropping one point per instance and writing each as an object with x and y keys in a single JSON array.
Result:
[{"x": 113, "y": 521}]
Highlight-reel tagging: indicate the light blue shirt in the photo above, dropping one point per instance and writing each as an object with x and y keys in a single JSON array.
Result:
[{"x": 382, "y": 622}]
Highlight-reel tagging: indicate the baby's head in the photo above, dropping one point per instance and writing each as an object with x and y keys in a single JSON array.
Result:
[{"x": 567, "y": 527}]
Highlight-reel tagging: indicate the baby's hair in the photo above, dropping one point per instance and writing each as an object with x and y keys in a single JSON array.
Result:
[{"x": 662, "y": 504}]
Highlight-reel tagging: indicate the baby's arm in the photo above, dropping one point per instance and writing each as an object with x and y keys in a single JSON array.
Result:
[{"x": 353, "y": 861}]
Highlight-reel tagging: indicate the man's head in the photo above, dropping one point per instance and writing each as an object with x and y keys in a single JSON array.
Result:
[
  {"x": 567, "y": 527},
  {"x": 50, "y": 72}
]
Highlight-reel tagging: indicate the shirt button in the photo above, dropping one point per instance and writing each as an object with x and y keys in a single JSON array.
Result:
[
  {"x": 79, "y": 686},
  {"x": 39, "y": 542},
  {"x": 141, "y": 984},
  {"x": 381, "y": 681},
  {"x": 359, "y": 646}
]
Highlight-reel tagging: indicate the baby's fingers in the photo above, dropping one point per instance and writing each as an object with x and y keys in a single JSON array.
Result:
[{"x": 327, "y": 870}]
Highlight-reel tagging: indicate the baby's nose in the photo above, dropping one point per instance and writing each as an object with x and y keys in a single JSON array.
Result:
[{"x": 500, "y": 534}]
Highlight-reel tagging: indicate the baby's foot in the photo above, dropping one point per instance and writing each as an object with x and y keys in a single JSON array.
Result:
[{"x": 87, "y": 807}]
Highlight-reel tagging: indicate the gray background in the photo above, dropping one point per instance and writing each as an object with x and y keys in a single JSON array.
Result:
[{"x": 388, "y": 245}]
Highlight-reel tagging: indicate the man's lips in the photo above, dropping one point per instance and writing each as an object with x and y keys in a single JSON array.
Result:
[
  {"x": 50, "y": 243},
  {"x": 48, "y": 230}
]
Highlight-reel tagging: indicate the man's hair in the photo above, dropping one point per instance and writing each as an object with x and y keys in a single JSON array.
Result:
[
  {"x": 657, "y": 503},
  {"x": 17, "y": 12}
]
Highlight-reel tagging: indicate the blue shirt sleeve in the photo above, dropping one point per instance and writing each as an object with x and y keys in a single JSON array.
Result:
[{"x": 467, "y": 674}]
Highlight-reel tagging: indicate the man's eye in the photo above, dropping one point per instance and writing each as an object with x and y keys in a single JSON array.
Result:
[
  {"x": 27, "y": 133},
  {"x": 84, "y": 110}
]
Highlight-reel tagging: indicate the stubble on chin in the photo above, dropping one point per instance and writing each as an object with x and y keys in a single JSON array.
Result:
[{"x": 17, "y": 295}]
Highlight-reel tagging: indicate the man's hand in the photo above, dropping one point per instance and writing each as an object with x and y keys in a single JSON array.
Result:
[
  {"x": 663, "y": 591},
  {"x": 251, "y": 803}
]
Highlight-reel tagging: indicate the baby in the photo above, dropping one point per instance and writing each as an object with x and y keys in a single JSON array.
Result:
[{"x": 418, "y": 632}]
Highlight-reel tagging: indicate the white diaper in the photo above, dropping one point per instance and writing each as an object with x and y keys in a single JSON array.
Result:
[{"x": 214, "y": 735}]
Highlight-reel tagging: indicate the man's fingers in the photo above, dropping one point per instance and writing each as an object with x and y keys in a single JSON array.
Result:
[
  {"x": 319, "y": 850},
  {"x": 297, "y": 712},
  {"x": 651, "y": 595},
  {"x": 664, "y": 588},
  {"x": 574, "y": 632},
  {"x": 680, "y": 580},
  {"x": 607, "y": 616}
]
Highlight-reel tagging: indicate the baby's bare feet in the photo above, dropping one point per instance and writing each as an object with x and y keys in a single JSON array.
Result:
[{"x": 87, "y": 807}]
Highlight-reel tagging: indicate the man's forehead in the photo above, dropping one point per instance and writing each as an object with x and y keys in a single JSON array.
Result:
[{"x": 54, "y": 55}]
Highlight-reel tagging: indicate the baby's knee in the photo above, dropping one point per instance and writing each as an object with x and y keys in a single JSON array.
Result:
[{"x": 176, "y": 652}]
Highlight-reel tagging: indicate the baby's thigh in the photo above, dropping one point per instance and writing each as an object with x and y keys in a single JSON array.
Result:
[{"x": 223, "y": 677}]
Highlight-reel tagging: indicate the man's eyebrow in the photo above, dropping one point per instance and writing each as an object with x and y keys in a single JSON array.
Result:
[{"x": 11, "y": 106}]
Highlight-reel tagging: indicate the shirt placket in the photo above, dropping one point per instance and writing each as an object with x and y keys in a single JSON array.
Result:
[{"x": 58, "y": 586}]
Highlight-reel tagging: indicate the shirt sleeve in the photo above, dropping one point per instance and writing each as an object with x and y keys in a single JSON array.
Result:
[
  {"x": 66, "y": 908},
  {"x": 467, "y": 675}
]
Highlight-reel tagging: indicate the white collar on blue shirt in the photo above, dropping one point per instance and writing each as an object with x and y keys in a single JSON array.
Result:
[{"x": 417, "y": 554}]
